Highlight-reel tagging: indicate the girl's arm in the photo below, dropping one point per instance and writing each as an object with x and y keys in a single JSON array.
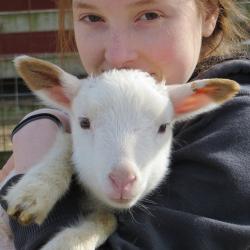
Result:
[{"x": 35, "y": 133}]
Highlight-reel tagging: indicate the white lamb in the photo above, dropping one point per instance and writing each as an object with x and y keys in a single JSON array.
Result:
[{"x": 121, "y": 137}]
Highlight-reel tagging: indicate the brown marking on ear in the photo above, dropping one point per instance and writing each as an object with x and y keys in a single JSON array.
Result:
[
  {"x": 38, "y": 74},
  {"x": 219, "y": 90}
]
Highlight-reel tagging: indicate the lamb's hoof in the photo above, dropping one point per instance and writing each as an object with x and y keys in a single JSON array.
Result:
[
  {"x": 27, "y": 205},
  {"x": 21, "y": 213}
]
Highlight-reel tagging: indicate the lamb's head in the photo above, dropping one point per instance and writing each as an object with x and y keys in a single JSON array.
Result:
[{"x": 122, "y": 123}]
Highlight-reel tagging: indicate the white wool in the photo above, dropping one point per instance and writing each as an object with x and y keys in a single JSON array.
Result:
[{"x": 125, "y": 109}]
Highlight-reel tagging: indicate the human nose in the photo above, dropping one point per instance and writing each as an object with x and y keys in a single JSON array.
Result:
[{"x": 120, "y": 50}]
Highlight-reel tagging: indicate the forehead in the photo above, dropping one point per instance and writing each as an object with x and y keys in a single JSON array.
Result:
[
  {"x": 128, "y": 3},
  {"x": 124, "y": 4},
  {"x": 128, "y": 91}
]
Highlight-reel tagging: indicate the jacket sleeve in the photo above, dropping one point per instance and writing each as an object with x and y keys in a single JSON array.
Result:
[{"x": 65, "y": 213}]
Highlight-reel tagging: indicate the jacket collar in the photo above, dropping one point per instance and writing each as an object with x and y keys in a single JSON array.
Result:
[
  {"x": 226, "y": 69},
  {"x": 221, "y": 66}
]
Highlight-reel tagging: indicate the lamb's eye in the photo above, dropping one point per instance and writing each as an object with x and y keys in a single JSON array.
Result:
[
  {"x": 162, "y": 128},
  {"x": 84, "y": 123}
]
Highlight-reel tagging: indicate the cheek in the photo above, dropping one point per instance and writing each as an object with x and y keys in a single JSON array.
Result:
[
  {"x": 89, "y": 49},
  {"x": 178, "y": 54}
]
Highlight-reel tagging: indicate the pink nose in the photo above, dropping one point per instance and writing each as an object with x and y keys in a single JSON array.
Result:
[{"x": 122, "y": 180}]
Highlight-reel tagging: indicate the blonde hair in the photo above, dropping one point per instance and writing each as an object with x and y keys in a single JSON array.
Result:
[{"x": 231, "y": 29}]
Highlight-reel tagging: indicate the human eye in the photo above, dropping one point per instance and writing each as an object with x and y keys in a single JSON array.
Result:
[
  {"x": 91, "y": 18},
  {"x": 149, "y": 16}
]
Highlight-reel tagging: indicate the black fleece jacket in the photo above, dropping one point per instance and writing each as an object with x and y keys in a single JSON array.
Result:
[{"x": 204, "y": 204}]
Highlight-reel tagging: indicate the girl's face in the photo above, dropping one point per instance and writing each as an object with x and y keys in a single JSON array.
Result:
[{"x": 161, "y": 37}]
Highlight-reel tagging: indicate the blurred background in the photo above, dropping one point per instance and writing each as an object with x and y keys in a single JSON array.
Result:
[
  {"x": 26, "y": 27},
  {"x": 29, "y": 27}
]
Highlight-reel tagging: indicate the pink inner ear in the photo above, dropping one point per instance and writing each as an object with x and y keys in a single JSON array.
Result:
[
  {"x": 57, "y": 94},
  {"x": 192, "y": 103}
]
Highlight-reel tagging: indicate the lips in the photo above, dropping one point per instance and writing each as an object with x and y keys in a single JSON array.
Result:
[
  {"x": 122, "y": 203},
  {"x": 121, "y": 199}
]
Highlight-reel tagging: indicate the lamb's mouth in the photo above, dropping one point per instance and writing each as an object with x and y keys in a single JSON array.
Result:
[
  {"x": 123, "y": 203},
  {"x": 122, "y": 200}
]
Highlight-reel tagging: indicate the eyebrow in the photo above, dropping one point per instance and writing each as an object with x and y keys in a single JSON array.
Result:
[{"x": 82, "y": 5}]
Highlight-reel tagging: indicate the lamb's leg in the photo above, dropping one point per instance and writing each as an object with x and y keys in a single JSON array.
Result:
[
  {"x": 32, "y": 198},
  {"x": 91, "y": 233}
]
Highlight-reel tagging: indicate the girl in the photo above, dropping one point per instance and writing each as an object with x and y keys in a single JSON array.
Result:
[{"x": 204, "y": 203}]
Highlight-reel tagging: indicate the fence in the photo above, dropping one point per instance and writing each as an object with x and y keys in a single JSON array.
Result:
[{"x": 16, "y": 100}]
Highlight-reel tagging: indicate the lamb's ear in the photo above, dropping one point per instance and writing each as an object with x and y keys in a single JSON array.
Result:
[
  {"x": 201, "y": 96},
  {"x": 53, "y": 85}
]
